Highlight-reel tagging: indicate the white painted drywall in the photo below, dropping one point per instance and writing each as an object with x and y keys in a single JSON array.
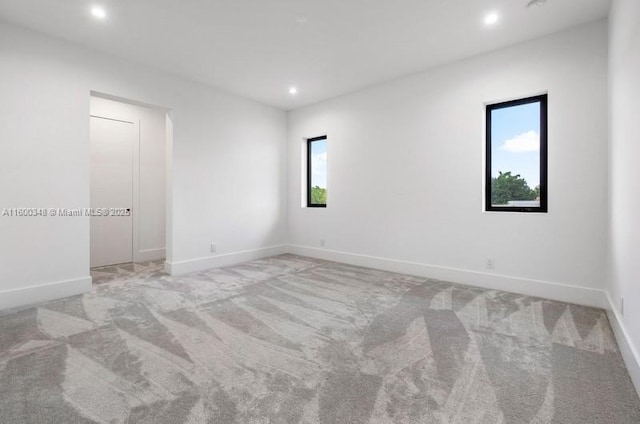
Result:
[
  {"x": 228, "y": 172},
  {"x": 405, "y": 167},
  {"x": 624, "y": 78},
  {"x": 149, "y": 185}
]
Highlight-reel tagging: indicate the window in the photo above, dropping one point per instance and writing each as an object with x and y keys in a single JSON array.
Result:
[
  {"x": 317, "y": 172},
  {"x": 516, "y": 171}
]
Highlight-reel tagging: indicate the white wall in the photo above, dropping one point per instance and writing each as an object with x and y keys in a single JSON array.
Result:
[
  {"x": 45, "y": 88},
  {"x": 405, "y": 172},
  {"x": 149, "y": 173},
  {"x": 624, "y": 277}
]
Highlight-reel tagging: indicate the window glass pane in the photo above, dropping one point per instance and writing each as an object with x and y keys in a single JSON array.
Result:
[
  {"x": 515, "y": 156},
  {"x": 318, "y": 183}
]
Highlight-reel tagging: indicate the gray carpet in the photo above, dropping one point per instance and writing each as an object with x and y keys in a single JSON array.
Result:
[{"x": 296, "y": 340}]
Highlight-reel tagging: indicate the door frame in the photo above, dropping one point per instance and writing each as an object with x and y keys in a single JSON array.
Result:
[{"x": 137, "y": 255}]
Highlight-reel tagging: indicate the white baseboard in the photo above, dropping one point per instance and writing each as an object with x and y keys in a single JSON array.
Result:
[
  {"x": 544, "y": 289},
  {"x": 32, "y": 295},
  {"x": 201, "y": 264},
  {"x": 627, "y": 348},
  {"x": 149, "y": 255}
]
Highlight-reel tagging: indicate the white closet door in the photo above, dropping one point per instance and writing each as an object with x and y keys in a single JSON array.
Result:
[{"x": 112, "y": 144}]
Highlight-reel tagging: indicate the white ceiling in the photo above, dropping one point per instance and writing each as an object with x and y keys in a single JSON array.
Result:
[{"x": 258, "y": 49}]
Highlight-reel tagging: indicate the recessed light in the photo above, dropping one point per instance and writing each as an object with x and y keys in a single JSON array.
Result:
[
  {"x": 491, "y": 18},
  {"x": 293, "y": 90},
  {"x": 98, "y": 12},
  {"x": 302, "y": 19}
]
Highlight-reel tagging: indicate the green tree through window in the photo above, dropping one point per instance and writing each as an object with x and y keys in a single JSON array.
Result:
[
  {"x": 506, "y": 187},
  {"x": 319, "y": 195}
]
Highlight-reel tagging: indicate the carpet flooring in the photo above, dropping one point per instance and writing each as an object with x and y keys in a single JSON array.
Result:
[{"x": 297, "y": 340}]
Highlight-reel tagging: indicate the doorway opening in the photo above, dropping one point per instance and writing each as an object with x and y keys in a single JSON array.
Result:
[{"x": 130, "y": 153}]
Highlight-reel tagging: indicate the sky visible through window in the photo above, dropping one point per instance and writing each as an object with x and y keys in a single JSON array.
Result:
[
  {"x": 515, "y": 142},
  {"x": 319, "y": 164}
]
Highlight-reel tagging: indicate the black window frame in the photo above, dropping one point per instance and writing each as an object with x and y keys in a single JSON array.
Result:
[
  {"x": 309, "y": 172},
  {"x": 543, "y": 208}
]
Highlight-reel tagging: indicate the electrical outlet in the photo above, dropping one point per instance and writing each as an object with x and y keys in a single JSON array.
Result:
[
  {"x": 491, "y": 263},
  {"x": 213, "y": 248},
  {"x": 321, "y": 242},
  {"x": 622, "y": 306}
]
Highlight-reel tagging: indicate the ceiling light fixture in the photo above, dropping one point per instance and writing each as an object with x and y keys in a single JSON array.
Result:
[
  {"x": 293, "y": 90},
  {"x": 98, "y": 12},
  {"x": 491, "y": 18}
]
